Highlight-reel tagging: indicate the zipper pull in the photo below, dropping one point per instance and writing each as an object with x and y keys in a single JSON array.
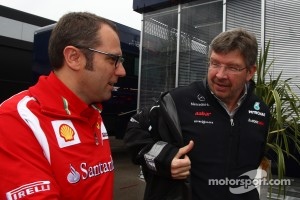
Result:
[
  {"x": 231, "y": 122},
  {"x": 96, "y": 139}
]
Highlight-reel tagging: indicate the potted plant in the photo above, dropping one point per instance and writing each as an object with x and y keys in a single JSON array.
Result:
[{"x": 284, "y": 104}]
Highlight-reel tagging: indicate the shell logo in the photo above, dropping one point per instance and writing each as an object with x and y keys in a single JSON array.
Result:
[{"x": 66, "y": 132}]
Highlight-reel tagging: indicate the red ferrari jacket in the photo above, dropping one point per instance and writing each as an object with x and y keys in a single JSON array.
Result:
[{"x": 53, "y": 146}]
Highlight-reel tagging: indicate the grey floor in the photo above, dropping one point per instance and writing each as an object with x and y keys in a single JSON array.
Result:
[
  {"x": 128, "y": 185},
  {"x": 292, "y": 191}
]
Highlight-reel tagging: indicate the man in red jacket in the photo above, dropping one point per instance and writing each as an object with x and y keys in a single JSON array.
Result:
[{"x": 53, "y": 143}]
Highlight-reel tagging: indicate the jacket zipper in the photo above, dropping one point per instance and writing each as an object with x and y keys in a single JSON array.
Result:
[
  {"x": 231, "y": 122},
  {"x": 229, "y": 153},
  {"x": 96, "y": 138}
]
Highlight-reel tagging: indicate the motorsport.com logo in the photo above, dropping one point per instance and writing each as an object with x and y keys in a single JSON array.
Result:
[{"x": 249, "y": 181}]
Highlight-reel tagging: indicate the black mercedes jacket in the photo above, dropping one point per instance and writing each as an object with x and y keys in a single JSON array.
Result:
[{"x": 225, "y": 148}]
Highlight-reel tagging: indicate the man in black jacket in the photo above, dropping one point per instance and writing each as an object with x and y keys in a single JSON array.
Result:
[{"x": 217, "y": 128}]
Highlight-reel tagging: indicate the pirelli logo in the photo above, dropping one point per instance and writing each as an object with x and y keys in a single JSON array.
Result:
[{"x": 28, "y": 189}]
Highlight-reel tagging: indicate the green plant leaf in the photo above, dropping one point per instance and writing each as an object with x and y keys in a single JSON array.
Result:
[{"x": 283, "y": 137}]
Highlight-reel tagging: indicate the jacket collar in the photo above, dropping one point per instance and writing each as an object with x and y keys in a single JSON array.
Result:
[{"x": 60, "y": 100}]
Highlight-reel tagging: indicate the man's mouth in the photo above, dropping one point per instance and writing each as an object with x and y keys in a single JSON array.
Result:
[
  {"x": 115, "y": 88},
  {"x": 111, "y": 84}
]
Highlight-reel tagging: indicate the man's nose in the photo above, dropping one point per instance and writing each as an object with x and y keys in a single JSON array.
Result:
[
  {"x": 222, "y": 72},
  {"x": 120, "y": 70}
]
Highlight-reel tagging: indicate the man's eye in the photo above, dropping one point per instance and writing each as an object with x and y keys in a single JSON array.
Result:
[
  {"x": 113, "y": 59},
  {"x": 215, "y": 65},
  {"x": 232, "y": 68}
]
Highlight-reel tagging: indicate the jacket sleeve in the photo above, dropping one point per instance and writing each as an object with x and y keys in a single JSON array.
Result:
[
  {"x": 267, "y": 123},
  {"x": 25, "y": 172},
  {"x": 143, "y": 140}
]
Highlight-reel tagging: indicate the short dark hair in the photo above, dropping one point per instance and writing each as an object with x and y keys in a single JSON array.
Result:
[
  {"x": 236, "y": 39},
  {"x": 77, "y": 29}
]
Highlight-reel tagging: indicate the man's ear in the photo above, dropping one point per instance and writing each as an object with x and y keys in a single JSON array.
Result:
[
  {"x": 251, "y": 71},
  {"x": 73, "y": 57}
]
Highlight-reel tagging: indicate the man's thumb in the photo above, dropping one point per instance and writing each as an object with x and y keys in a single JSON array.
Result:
[{"x": 184, "y": 150}]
